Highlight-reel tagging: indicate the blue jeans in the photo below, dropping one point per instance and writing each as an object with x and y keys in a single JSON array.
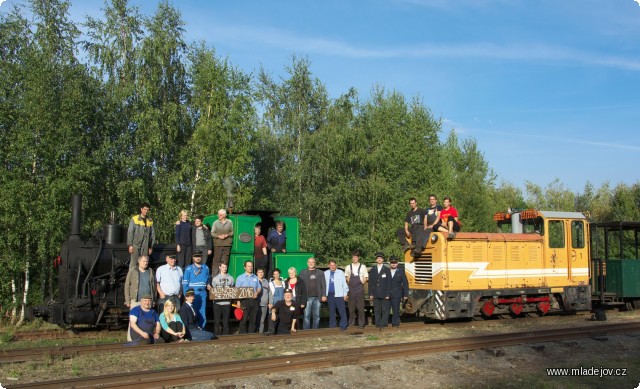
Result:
[
  {"x": 337, "y": 304},
  {"x": 312, "y": 308}
]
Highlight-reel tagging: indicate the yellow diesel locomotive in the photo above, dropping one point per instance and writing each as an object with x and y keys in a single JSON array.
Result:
[{"x": 541, "y": 265}]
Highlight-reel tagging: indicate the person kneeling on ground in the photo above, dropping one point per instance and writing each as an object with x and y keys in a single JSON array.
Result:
[
  {"x": 145, "y": 326},
  {"x": 188, "y": 316},
  {"x": 284, "y": 314},
  {"x": 173, "y": 328}
]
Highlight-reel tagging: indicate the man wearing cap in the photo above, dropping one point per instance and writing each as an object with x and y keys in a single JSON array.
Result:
[
  {"x": 196, "y": 276},
  {"x": 140, "y": 281},
  {"x": 284, "y": 314},
  {"x": 169, "y": 283},
  {"x": 337, "y": 294},
  {"x": 357, "y": 276},
  {"x": 380, "y": 291},
  {"x": 144, "y": 325},
  {"x": 248, "y": 305},
  {"x": 189, "y": 318},
  {"x": 399, "y": 289}
]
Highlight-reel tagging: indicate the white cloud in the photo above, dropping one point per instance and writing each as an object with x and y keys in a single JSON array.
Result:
[{"x": 291, "y": 42}]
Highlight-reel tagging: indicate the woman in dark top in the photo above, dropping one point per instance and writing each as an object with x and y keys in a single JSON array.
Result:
[{"x": 183, "y": 240}]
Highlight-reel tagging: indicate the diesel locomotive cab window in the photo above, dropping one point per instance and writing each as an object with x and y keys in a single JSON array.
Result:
[
  {"x": 577, "y": 234},
  {"x": 556, "y": 234}
]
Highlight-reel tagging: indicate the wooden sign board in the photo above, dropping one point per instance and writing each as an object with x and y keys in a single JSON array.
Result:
[{"x": 230, "y": 293}]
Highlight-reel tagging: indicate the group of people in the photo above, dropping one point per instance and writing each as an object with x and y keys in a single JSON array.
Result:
[
  {"x": 180, "y": 291},
  {"x": 420, "y": 223}
]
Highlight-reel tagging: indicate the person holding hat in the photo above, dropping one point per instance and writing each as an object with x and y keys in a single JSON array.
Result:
[
  {"x": 196, "y": 277},
  {"x": 399, "y": 289},
  {"x": 188, "y": 315},
  {"x": 284, "y": 313},
  {"x": 144, "y": 325},
  {"x": 380, "y": 291}
]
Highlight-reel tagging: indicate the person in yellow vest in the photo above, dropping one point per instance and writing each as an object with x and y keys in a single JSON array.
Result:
[{"x": 140, "y": 235}]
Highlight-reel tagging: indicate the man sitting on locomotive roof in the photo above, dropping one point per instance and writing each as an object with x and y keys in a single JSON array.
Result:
[
  {"x": 169, "y": 283},
  {"x": 188, "y": 315},
  {"x": 414, "y": 228},
  {"x": 144, "y": 323},
  {"x": 449, "y": 222},
  {"x": 140, "y": 235},
  {"x": 433, "y": 214}
]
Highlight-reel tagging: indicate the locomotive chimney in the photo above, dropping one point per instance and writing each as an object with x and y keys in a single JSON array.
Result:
[
  {"x": 516, "y": 223},
  {"x": 76, "y": 208}
]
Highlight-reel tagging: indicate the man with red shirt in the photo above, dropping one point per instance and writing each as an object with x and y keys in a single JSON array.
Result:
[
  {"x": 449, "y": 222},
  {"x": 260, "y": 251}
]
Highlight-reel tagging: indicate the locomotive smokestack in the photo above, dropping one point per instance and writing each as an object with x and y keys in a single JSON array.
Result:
[{"x": 76, "y": 208}]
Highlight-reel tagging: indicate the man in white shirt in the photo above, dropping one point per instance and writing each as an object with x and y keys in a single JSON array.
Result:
[{"x": 169, "y": 283}]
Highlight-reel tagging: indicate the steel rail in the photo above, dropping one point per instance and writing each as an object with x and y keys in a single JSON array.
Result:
[
  {"x": 65, "y": 352},
  {"x": 326, "y": 359}
]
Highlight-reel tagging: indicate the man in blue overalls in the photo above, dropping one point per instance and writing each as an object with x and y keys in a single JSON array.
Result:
[{"x": 196, "y": 277}]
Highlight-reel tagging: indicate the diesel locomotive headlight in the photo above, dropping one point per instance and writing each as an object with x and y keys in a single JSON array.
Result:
[{"x": 434, "y": 238}]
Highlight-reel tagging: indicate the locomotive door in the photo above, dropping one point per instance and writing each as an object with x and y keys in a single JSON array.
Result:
[
  {"x": 557, "y": 237},
  {"x": 579, "y": 251}
]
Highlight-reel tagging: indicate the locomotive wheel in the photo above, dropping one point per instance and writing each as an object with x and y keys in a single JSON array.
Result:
[{"x": 630, "y": 306}]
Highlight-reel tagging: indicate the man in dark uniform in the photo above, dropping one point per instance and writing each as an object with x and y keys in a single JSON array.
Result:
[
  {"x": 380, "y": 291},
  {"x": 189, "y": 318},
  {"x": 399, "y": 290}
]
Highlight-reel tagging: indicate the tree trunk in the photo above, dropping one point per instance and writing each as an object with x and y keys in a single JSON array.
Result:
[
  {"x": 24, "y": 294},
  {"x": 14, "y": 309},
  {"x": 193, "y": 193}
]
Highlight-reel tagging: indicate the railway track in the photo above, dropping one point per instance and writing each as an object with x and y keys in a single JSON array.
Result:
[
  {"x": 325, "y": 359},
  {"x": 71, "y": 351},
  {"x": 54, "y": 335},
  {"x": 65, "y": 352}
]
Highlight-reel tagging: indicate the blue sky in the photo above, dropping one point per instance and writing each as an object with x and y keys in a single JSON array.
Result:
[{"x": 549, "y": 89}]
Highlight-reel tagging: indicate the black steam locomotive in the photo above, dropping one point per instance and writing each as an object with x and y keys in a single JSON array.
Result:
[{"x": 91, "y": 275}]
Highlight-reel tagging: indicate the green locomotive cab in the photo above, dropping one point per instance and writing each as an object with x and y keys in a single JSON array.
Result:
[{"x": 244, "y": 238}]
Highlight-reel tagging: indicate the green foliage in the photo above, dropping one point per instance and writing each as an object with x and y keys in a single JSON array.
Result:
[{"x": 150, "y": 118}]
